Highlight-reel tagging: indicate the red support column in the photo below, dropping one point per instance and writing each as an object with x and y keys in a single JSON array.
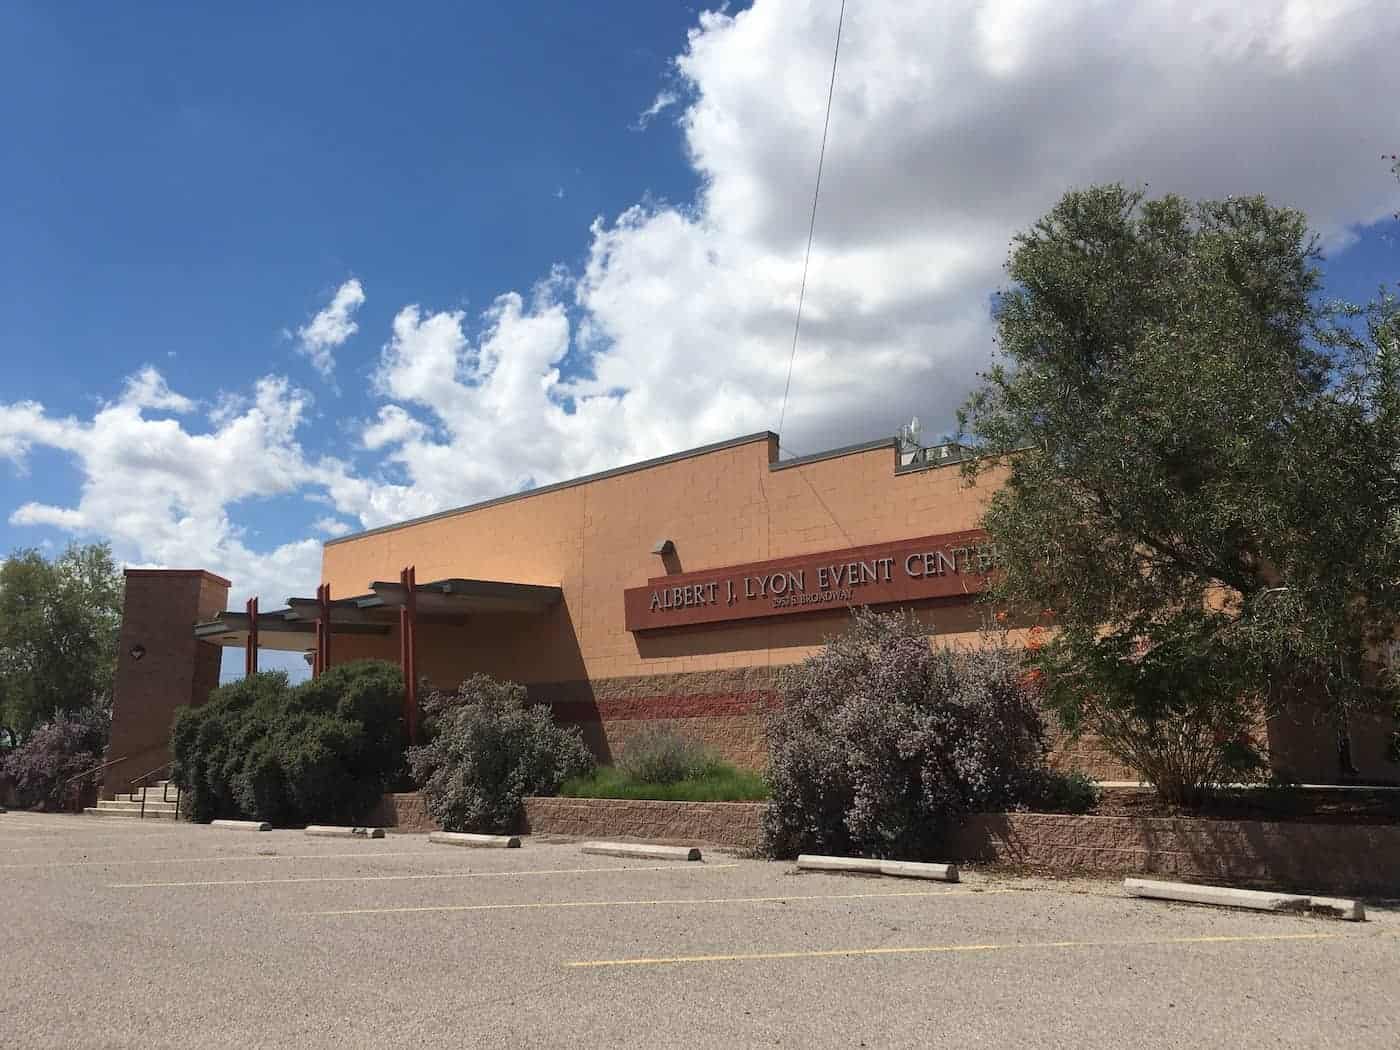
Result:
[
  {"x": 323, "y": 596},
  {"x": 250, "y": 655},
  {"x": 408, "y": 650}
]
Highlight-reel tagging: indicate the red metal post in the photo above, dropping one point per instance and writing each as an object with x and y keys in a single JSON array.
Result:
[
  {"x": 404, "y": 660},
  {"x": 323, "y": 595},
  {"x": 408, "y": 650},
  {"x": 250, "y": 655}
]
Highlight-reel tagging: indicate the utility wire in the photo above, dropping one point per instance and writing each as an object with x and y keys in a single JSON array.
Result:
[{"x": 812, "y": 223}]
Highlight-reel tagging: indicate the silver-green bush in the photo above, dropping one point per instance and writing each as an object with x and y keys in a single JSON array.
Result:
[
  {"x": 657, "y": 754},
  {"x": 488, "y": 749},
  {"x": 882, "y": 742}
]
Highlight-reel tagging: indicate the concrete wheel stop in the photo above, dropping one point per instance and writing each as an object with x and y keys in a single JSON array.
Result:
[
  {"x": 336, "y": 832},
  {"x": 641, "y": 850},
  {"x": 241, "y": 825},
  {"x": 903, "y": 869},
  {"x": 1254, "y": 900},
  {"x": 461, "y": 838}
]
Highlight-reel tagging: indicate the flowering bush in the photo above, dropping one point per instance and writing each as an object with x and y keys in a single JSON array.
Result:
[
  {"x": 487, "y": 750},
  {"x": 882, "y": 742},
  {"x": 55, "y": 751}
]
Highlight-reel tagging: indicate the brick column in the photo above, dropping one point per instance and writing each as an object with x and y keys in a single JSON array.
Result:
[{"x": 160, "y": 665}]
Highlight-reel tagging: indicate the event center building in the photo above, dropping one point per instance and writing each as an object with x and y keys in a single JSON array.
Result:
[{"x": 673, "y": 589}]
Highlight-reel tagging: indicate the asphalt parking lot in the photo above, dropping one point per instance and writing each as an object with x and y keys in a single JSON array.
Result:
[{"x": 146, "y": 934}]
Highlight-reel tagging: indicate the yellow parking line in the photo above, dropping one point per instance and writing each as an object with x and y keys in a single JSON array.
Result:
[
  {"x": 947, "y": 949},
  {"x": 405, "y": 878},
  {"x": 650, "y": 903}
]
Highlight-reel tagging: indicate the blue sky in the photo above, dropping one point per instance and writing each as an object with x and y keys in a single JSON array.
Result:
[
  {"x": 551, "y": 282},
  {"x": 184, "y": 183}
]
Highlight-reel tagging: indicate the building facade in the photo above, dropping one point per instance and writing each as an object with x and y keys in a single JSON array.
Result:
[
  {"x": 685, "y": 582},
  {"x": 671, "y": 591}
]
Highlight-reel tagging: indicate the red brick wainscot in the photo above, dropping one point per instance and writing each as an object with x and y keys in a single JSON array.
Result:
[
  {"x": 720, "y": 823},
  {"x": 1328, "y": 858}
]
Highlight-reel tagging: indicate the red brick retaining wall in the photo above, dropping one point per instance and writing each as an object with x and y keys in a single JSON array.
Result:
[
  {"x": 721, "y": 823},
  {"x": 1323, "y": 858},
  {"x": 405, "y": 812},
  {"x": 1335, "y": 858}
]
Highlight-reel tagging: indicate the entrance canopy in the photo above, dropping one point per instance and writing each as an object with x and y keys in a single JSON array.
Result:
[{"x": 293, "y": 629}]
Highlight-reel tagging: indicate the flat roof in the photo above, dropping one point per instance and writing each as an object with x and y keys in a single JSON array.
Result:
[
  {"x": 627, "y": 468},
  {"x": 559, "y": 486},
  {"x": 371, "y": 613}
]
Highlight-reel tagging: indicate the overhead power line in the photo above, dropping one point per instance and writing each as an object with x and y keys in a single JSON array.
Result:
[{"x": 812, "y": 222}]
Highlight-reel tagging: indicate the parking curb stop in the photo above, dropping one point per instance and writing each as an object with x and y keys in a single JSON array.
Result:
[
  {"x": 241, "y": 825},
  {"x": 460, "y": 838},
  {"x": 1253, "y": 900},
  {"x": 337, "y": 832},
  {"x": 641, "y": 850},
  {"x": 906, "y": 869}
]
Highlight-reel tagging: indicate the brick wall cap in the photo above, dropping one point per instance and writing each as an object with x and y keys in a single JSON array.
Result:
[
  {"x": 141, "y": 573},
  {"x": 552, "y": 799}
]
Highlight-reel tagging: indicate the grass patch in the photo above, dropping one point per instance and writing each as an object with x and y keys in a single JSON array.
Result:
[{"x": 718, "y": 783}]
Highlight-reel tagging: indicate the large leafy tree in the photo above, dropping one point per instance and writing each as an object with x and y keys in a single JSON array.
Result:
[
  {"x": 1202, "y": 458},
  {"x": 59, "y": 621}
]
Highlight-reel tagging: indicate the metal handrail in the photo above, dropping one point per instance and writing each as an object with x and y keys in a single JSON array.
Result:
[
  {"x": 87, "y": 773},
  {"x": 94, "y": 769},
  {"x": 163, "y": 797},
  {"x": 90, "y": 772},
  {"x": 149, "y": 772}
]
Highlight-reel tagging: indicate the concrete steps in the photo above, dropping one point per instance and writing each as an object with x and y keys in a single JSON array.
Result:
[{"x": 129, "y": 805}]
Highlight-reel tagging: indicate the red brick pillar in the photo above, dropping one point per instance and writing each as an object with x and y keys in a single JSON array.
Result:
[{"x": 160, "y": 665}]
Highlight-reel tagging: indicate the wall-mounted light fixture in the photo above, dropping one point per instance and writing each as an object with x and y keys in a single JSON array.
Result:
[
  {"x": 137, "y": 651},
  {"x": 663, "y": 548}
]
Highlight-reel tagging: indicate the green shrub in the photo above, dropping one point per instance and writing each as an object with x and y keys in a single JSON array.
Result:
[
  {"x": 209, "y": 744},
  {"x": 1068, "y": 793},
  {"x": 657, "y": 754},
  {"x": 258, "y": 786},
  {"x": 487, "y": 750},
  {"x": 1173, "y": 699},
  {"x": 322, "y": 751},
  {"x": 883, "y": 742}
]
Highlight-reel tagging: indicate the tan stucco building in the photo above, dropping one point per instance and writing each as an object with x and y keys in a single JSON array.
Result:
[
  {"x": 727, "y": 510},
  {"x": 672, "y": 589}
]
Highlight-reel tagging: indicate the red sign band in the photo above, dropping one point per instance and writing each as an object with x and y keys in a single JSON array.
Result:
[{"x": 951, "y": 565}]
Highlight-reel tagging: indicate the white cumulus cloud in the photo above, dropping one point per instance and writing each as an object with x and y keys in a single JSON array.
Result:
[
  {"x": 163, "y": 491},
  {"x": 664, "y": 100},
  {"x": 953, "y": 125},
  {"x": 332, "y": 526},
  {"x": 332, "y": 325}
]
